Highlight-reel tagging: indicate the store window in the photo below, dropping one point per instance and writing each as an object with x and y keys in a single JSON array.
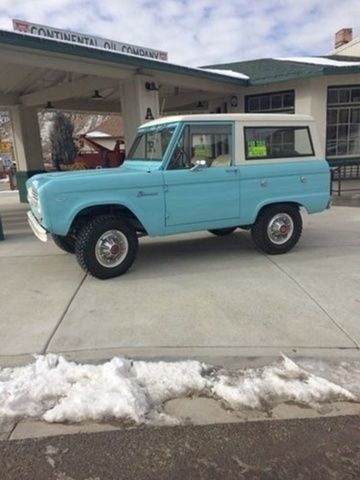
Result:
[
  {"x": 277, "y": 102},
  {"x": 343, "y": 121}
]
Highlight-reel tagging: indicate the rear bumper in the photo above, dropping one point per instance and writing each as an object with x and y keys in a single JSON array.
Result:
[{"x": 38, "y": 230}]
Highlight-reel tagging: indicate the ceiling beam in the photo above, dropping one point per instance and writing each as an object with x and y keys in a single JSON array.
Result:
[
  {"x": 194, "y": 83},
  {"x": 8, "y": 99},
  {"x": 67, "y": 90},
  {"x": 89, "y": 106},
  {"x": 176, "y": 101}
]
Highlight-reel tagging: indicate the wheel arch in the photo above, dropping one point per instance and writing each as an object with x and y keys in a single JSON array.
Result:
[
  {"x": 274, "y": 204},
  {"x": 92, "y": 211}
]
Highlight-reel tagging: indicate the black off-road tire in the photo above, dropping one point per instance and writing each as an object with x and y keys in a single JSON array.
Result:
[
  {"x": 221, "y": 232},
  {"x": 259, "y": 229},
  {"x": 65, "y": 243},
  {"x": 88, "y": 237}
]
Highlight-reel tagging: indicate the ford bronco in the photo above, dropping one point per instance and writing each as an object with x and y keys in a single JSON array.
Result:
[{"x": 215, "y": 172}]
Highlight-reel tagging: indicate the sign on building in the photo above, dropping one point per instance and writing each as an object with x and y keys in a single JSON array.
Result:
[{"x": 89, "y": 40}]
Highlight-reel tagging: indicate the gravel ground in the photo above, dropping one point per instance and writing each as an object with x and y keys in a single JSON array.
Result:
[{"x": 319, "y": 449}]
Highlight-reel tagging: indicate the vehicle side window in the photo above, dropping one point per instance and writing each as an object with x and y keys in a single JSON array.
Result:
[
  {"x": 277, "y": 142},
  {"x": 211, "y": 143}
]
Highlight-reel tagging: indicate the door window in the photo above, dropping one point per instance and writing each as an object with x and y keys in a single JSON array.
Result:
[{"x": 209, "y": 143}]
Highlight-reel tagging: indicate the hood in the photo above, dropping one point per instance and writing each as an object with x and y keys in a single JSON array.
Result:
[{"x": 94, "y": 179}]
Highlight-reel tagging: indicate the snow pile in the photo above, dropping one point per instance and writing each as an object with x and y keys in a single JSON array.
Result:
[
  {"x": 344, "y": 373},
  {"x": 269, "y": 386},
  {"x": 56, "y": 390}
]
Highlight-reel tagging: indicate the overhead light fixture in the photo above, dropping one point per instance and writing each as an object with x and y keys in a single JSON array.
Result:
[
  {"x": 151, "y": 86},
  {"x": 49, "y": 106},
  {"x": 96, "y": 95}
]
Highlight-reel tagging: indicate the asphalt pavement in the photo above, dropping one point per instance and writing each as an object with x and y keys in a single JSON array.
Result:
[{"x": 317, "y": 449}]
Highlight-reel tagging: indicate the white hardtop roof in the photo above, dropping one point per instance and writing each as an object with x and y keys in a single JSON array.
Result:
[{"x": 264, "y": 118}]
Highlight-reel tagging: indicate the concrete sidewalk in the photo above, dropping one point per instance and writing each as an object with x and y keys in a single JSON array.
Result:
[
  {"x": 189, "y": 296},
  {"x": 186, "y": 296}
]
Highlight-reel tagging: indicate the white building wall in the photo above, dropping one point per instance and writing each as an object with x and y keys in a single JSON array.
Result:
[
  {"x": 310, "y": 97},
  {"x": 351, "y": 49}
]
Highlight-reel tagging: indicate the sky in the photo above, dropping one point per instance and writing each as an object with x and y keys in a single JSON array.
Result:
[{"x": 199, "y": 32}]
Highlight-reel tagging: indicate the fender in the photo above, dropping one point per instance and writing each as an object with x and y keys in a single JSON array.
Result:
[{"x": 64, "y": 211}]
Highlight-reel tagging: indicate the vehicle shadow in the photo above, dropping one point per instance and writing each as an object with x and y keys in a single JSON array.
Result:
[{"x": 205, "y": 252}]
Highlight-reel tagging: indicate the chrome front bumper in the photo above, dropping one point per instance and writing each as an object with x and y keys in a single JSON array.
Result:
[{"x": 38, "y": 230}]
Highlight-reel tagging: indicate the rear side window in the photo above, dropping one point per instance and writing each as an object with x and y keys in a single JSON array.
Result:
[{"x": 263, "y": 143}]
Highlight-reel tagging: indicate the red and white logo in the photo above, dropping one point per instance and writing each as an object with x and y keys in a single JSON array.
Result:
[{"x": 21, "y": 26}]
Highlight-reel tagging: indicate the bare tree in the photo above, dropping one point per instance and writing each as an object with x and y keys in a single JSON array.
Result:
[{"x": 63, "y": 150}]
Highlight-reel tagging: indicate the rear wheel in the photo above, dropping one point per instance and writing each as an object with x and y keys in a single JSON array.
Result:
[
  {"x": 277, "y": 229},
  {"x": 221, "y": 232},
  {"x": 65, "y": 243},
  {"x": 106, "y": 246}
]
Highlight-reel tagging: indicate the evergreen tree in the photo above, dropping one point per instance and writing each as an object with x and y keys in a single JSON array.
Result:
[{"x": 63, "y": 150}]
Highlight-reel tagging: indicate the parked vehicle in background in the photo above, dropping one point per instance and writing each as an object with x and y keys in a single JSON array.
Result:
[{"x": 215, "y": 172}]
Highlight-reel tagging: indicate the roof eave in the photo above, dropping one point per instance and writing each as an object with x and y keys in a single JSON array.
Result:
[{"x": 55, "y": 46}]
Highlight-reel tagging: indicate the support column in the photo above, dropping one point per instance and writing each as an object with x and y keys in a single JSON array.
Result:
[
  {"x": 311, "y": 99},
  {"x": 27, "y": 145},
  {"x": 136, "y": 100}
]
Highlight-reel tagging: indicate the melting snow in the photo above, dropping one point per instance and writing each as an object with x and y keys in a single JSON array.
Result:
[
  {"x": 320, "y": 61},
  {"x": 56, "y": 390},
  {"x": 97, "y": 134},
  {"x": 229, "y": 73}
]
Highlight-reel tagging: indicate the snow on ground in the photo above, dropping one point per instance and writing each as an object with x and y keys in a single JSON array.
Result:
[{"x": 56, "y": 390}]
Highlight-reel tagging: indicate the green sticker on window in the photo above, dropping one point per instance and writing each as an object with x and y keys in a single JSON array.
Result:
[
  {"x": 202, "y": 151},
  {"x": 256, "y": 149}
]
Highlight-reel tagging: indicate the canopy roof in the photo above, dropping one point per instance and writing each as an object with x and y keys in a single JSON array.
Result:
[{"x": 265, "y": 71}]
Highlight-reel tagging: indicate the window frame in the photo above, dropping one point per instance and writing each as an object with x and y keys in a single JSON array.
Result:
[
  {"x": 146, "y": 131},
  {"x": 273, "y": 157},
  {"x": 269, "y": 94},
  {"x": 337, "y": 106}
]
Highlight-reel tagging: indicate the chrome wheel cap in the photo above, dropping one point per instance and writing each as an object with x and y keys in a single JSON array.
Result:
[
  {"x": 111, "y": 249},
  {"x": 280, "y": 228}
]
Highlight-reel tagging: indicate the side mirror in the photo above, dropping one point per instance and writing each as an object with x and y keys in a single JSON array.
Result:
[{"x": 199, "y": 165}]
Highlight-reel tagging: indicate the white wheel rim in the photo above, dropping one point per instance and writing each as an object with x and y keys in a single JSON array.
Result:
[
  {"x": 280, "y": 228},
  {"x": 111, "y": 249}
]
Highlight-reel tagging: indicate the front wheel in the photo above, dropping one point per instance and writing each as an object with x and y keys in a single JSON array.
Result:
[
  {"x": 277, "y": 229},
  {"x": 106, "y": 246}
]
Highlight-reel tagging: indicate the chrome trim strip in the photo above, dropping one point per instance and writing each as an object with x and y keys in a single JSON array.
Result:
[{"x": 38, "y": 230}]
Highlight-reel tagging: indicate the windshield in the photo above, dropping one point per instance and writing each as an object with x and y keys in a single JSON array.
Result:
[{"x": 151, "y": 145}]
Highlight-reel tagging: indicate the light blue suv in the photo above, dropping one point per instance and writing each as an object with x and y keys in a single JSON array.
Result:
[{"x": 214, "y": 172}]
